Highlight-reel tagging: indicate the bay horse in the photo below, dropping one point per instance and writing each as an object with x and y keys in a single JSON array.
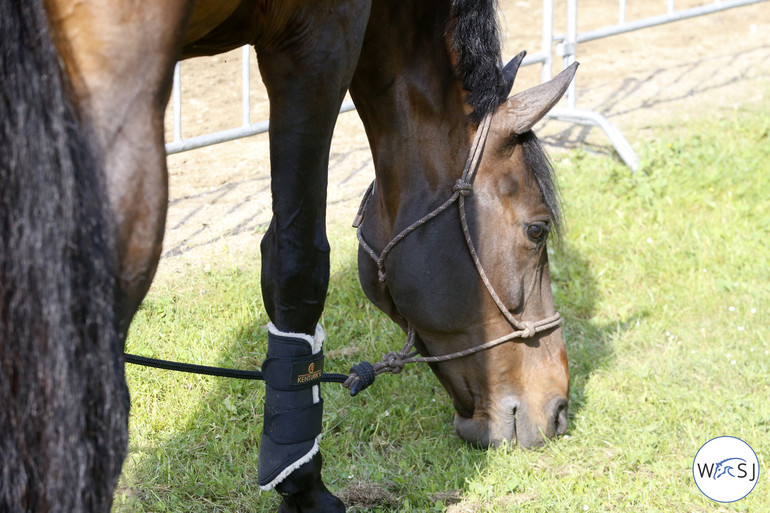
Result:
[{"x": 83, "y": 187}]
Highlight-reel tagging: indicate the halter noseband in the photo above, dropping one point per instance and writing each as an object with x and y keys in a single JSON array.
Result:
[{"x": 363, "y": 374}]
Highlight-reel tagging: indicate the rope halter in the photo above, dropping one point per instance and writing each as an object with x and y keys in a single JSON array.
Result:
[{"x": 363, "y": 374}]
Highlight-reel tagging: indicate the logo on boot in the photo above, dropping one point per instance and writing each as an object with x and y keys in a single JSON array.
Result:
[{"x": 305, "y": 375}]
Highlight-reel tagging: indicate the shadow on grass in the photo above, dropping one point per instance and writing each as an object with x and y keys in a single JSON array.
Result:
[
  {"x": 633, "y": 96},
  {"x": 209, "y": 461},
  {"x": 589, "y": 342}
]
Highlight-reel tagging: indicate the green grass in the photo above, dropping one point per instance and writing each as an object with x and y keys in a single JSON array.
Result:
[{"x": 664, "y": 284}]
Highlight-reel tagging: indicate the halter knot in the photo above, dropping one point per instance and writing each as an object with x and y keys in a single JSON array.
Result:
[
  {"x": 528, "y": 329},
  {"x": 393, "y": 362},
  {"x": 381, "y": 272},
  {"x": 463, "y": 187}
]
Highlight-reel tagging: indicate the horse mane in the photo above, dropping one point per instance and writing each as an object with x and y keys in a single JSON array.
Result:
[
  {"x": 542, "y": 170},
  {"x": 476, "y": 40}
]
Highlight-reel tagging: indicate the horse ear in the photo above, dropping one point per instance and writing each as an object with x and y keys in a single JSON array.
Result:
[
  {"x": 510, "y": 70},
  {"x": 521, "y": 111}
]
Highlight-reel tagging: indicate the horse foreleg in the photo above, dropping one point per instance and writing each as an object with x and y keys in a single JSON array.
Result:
[{"x": 307, "y": 65}]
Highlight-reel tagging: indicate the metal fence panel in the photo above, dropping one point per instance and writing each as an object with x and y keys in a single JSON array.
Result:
[{"x": 564, "y": 46}]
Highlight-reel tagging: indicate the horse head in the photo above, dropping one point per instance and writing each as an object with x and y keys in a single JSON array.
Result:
[
  {"x": 432, "y": 281},
  {"x": 524, "y": 386}
]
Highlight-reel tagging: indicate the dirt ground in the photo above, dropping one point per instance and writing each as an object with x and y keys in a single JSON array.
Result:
[{"x": 220, "y": 198}]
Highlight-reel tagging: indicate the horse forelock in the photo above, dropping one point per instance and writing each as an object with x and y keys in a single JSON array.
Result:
[
  {"x": 476, "y": 40},
  {"x": 542, "y": 170}
]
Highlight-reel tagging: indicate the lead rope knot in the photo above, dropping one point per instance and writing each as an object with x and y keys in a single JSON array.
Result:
[
  {"x": 392, "y": 362},
  {"x": 463, "y": 187},
  {"x": 528, "y": 329},
  {"x": 362, "y": 375}
]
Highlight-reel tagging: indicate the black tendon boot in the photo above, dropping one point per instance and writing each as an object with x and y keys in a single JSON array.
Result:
[{"x": 293, "y": 404}]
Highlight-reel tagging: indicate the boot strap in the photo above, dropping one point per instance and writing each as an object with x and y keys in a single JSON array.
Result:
[{"x": 297, "y": 373}]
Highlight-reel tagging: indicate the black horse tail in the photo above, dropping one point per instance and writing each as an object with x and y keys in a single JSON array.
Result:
[
  {"x": 476, "y": 40},
  {"x": 63, "y": 398}
]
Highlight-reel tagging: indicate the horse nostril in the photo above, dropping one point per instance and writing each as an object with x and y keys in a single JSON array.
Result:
[{"x": 558, "y": 424}]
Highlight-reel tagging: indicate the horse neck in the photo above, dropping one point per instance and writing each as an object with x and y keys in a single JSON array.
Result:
[{"x": 412, "y": 107}]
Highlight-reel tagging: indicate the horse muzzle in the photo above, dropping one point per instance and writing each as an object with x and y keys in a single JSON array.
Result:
[{"x": 513, "y": 420}]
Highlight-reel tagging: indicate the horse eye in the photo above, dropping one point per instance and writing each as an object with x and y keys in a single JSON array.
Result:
[{"x": 537, "y": 232}]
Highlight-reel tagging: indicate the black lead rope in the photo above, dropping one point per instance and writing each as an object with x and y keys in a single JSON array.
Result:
[{"x": 215, "y": 371}]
